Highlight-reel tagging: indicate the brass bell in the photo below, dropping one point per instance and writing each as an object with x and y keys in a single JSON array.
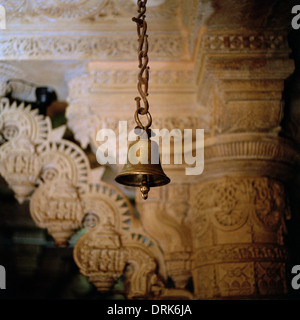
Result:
[
  {"x": 146, "y": 172},
  {"x": 143, "y": 168}
]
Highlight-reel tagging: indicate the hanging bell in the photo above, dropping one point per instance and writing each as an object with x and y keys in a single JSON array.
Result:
[{"x": 143, "y": 168}]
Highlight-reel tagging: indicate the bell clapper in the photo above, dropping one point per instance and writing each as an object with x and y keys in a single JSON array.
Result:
[{"x": 144, "y": 190}]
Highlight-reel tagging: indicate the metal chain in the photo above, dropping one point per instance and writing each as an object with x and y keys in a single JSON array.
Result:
[{"x": 143, "y": 76}]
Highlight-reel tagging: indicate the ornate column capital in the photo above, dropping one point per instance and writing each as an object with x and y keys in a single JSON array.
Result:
[
  {"x": 241, "y": 78},
  {"x": 252, "y": 154}
]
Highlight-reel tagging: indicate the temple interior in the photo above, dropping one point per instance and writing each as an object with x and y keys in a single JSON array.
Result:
[{"x": 69, "y": 69}]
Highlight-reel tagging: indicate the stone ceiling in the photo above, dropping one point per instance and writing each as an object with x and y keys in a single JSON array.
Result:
[{"x": 58, "y": 38}]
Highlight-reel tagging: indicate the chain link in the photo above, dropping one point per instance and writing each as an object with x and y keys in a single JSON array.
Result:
[{"x": 143, "y": 76}]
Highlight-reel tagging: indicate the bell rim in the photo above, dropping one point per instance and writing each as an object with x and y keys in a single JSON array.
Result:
[{"x": 164, "y": 180}]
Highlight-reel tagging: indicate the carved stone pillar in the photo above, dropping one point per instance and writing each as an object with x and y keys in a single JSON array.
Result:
[
  {"x": 237, "y": 235},
  {"x": 239, "y": 204}
]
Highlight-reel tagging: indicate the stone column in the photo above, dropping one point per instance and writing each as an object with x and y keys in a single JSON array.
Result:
[{"x": 239, "y": 204}]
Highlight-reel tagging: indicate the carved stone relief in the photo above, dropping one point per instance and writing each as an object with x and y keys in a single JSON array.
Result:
[
  {"x": 241, "y": 77},
  {"x": 83, "y": 9},
  {"x": 56, "y": 207},
  {"x": 66, "y": 195},
  {"x": 65, "y": 169},
  {"x": 238, "y": 230},
  {"x": 55, "y": 175},
  {"x": 20, "y": 167},
  {"x": 103, "y": 255},
  {"x": 245, "y": 42},
  {"x": 117, "y": 245},
  {"x": 22, "y": 129},
  {"x": 78, "y": 47},
  {"x": 97, "y": 41},
  {"x": 19, "y": 121},
  {"x": 39, "y": 165}
]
